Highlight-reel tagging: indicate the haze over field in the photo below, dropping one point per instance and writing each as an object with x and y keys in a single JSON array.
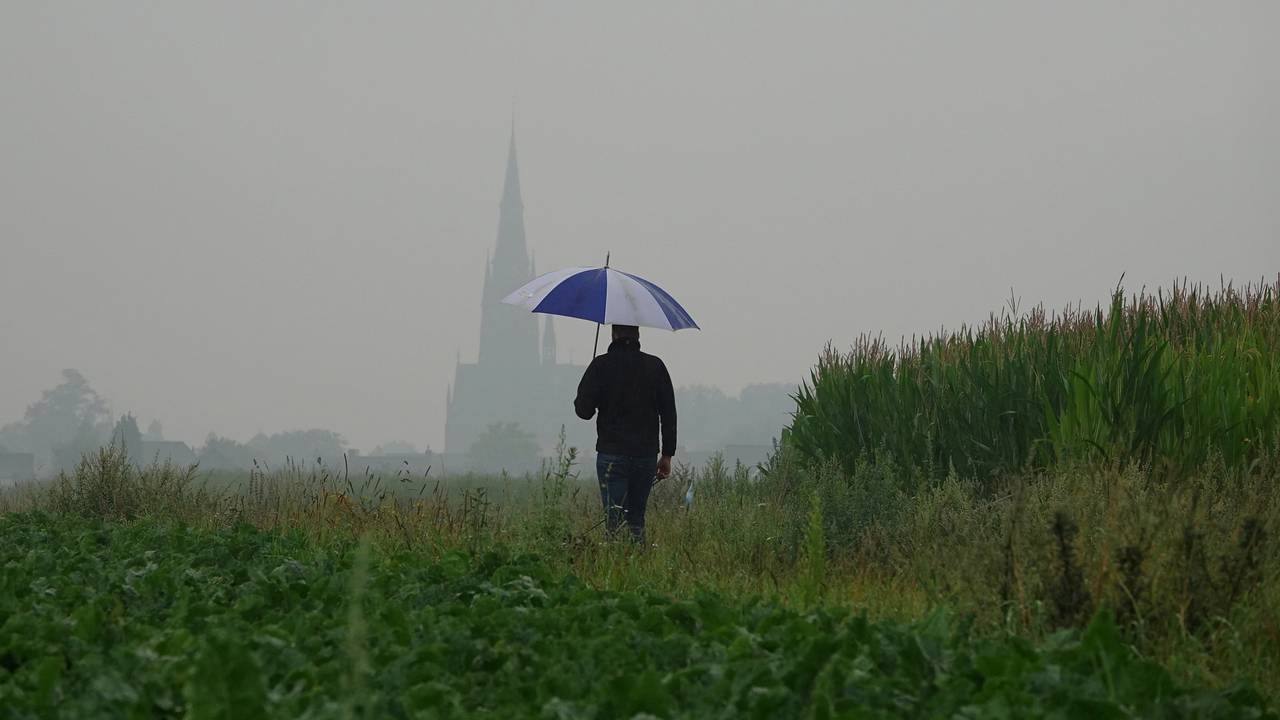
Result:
[{"x": 254, "y": 216}]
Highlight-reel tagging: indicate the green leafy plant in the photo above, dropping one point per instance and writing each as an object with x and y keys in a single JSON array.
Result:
[
  {"x": 815, "y": 553},
  {"x": 154, "y": 619}
]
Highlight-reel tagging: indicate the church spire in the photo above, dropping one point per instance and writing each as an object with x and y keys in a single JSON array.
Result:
[
  {"x": 511, "y": 256},
  {"x": 511, "y": 183},
  {"x": 508, "y": 336}
]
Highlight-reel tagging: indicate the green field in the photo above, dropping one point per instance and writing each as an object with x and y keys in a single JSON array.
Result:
[
  {"x": 154, "y": 619},
  {"x": 1053, "y": 518}
]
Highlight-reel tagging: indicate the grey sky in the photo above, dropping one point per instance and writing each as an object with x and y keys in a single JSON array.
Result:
[{"x": 265, "y": 216}]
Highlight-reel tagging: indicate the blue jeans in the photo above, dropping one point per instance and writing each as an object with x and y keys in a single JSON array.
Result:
[{"x": 625, "y": 482}]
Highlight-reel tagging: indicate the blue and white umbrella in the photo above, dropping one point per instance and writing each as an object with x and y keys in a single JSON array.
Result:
[{"x": 602, "y": 295}]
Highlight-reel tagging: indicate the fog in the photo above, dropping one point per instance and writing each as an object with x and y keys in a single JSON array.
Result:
[{"x": 245, "y": 216}]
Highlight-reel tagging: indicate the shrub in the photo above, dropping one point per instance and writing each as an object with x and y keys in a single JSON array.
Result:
[{"x": 106, "y": 485}]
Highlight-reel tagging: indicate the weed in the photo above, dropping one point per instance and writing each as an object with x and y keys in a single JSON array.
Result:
[{"x": 1071, "y": 601}]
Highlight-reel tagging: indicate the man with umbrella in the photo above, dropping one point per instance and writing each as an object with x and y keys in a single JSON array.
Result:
[
  {"x": 629, "y": 389},
  {"x": 632, "y": 392}
]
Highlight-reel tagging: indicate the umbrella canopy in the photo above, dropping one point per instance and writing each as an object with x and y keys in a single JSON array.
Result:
[{"x": 602, "y": 295}]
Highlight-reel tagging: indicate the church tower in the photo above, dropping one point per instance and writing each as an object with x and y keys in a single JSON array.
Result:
[
  {"x": 516, "y": 377},
  {"x": 508, "y": 335}
]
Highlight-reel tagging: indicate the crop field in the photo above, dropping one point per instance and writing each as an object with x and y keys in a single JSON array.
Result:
[
  {"x": 153, "y": 619},
  {"x": 1166, "y": 380},
  {"x": 1069, "y": 516}
]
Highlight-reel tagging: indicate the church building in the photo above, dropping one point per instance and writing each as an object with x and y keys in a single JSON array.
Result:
[{"x": 516, "y": 377}]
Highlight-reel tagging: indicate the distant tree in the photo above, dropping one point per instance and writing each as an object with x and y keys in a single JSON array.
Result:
[
  {"x": 763, "y": 410},
  {"x": 127, "y": 436},
  {"x": 155, "y": 431},
  {"x": 704, "y": 414},
  {"x": 15, "y": 436},
  {"x": 220, "y": 453},
  {"x": 68, "y": 416},
  {"x": 88, "y": 438},
  {"x": 504, "y": 446},
  {"x": 396, "y": 447},
  {"x": 301, "y": 446},
  {"x": 710, "y": 419}
]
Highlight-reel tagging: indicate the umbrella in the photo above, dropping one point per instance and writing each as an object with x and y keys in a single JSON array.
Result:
[{"x": 602, "y": 295}]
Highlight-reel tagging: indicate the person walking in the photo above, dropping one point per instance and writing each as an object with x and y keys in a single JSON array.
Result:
[{"x": 632, "y": 393}]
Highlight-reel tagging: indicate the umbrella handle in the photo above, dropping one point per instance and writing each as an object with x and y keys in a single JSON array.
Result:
[{"x": 595, "y": 349}]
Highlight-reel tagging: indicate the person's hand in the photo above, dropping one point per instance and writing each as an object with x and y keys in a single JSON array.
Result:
[{"x": 664, "y": 466}]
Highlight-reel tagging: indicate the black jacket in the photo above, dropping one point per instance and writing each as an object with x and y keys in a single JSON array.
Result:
[{"x": 632, "y": 390}]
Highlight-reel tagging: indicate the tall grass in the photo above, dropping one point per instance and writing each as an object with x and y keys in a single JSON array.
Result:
[
  {"x": 1167, "y": 380},
  {"x": 1189, "y": 568}
]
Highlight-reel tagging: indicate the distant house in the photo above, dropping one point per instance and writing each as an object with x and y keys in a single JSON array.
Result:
[
  {"x": 161, "y": 451},
  {"x": 17, "y": 467}
]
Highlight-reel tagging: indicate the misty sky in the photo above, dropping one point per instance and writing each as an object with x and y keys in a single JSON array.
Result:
[{"x": 244, "y": 216}]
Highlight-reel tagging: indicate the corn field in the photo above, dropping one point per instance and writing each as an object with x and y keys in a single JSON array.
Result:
[{"x": 1169, "y": 380}]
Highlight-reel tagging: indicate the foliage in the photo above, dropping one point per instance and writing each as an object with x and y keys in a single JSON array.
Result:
[
  {"x": 763, "y": 410},
  {"x": 155, "y": 431},
  {"x": 703, "y": 413},
  {"x": 70, "y": 417},
  {"x": 711, "y": 419},
  {"x": 298, "y": 447},
  {"x": 1188, "y": 569},
  {"x": 815, "y": 553},
  {"x": 1171, "y": 380},
  {"x": 107, "y": 485},
  {"x": 222, "y": 453},
  {"x": 504, "y": 446},
  {"x": 159, "y": 620},
  {"x": 127, "y": 436}
]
